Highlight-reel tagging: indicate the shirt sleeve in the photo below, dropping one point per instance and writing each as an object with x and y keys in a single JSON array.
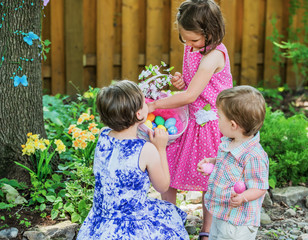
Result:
[{"x": 256, "y": 172}]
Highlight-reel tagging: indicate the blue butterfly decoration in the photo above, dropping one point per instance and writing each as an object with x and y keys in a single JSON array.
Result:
[
  {"x": 22, "y": 80},
  {"x": 31, "y": 36}
]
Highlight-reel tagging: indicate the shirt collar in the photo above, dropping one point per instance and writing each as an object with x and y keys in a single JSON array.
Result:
[{"x": 241, "y": 149}]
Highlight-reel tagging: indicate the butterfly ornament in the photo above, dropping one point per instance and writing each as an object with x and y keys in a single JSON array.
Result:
[
  {"x": 30, "y": 37},
  {"x": 22, "y": 80}
]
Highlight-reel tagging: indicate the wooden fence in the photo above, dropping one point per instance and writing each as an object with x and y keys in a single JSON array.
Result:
[{"x": 95, "y": 41}]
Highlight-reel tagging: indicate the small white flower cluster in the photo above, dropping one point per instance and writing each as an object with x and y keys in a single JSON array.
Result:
[
  {"x": 153, "y": 81},
  {"x": 203, "y": 116}
]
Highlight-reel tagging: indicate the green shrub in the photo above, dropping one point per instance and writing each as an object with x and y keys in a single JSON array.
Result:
[{"x": 285, "y": 141}]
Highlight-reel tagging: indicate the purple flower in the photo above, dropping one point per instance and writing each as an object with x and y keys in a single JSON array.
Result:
[{"x": 46, "y": 2}]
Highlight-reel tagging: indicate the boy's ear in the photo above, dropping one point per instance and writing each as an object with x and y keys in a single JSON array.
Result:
[
  {"x": 234, "y": 125},
  {"x": 138, "y": 114}
]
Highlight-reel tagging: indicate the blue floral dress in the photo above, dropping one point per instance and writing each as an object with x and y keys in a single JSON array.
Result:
[{"x": 121, "y": 208}]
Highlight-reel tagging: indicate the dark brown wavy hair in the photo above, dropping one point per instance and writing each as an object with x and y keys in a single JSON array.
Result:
[
  {"x": 202, "y": 17},
  {"x": 118, "y": 104}
]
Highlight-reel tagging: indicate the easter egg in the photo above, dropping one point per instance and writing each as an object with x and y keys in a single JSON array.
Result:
[
  {"x": 162, "y": 127},
  {"x": 151, "y": 117},
  {"x": 148, "y": 123},
  {"x": 159, "y": 120},
  {"x": 207, "y": 168},
  {"x": 170, "y": 122},
  {"x": 239, "y": 187},
  {"x": 172, "y": 130},
  {"x": 154, "y": 125}
]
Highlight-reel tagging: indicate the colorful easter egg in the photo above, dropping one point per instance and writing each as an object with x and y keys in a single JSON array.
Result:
[
  {"x": 148, "y": 123},
  {"x": 154, "y": 125},
  {"x": 170, "y": 122},
  {"x": 172, "y": 130},
  {"x": 151, "y": 117},
  {"x": 162, "y": 127},
  {"x": 159, "y": 120},
  {"x": 207, "y": 168},
  {"x": 239, "y": 187}
]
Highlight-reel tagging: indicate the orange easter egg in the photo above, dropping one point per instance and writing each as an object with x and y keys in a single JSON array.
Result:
[{"x": 151, "y": 117}]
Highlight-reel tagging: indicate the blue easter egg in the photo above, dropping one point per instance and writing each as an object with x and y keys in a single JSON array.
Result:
[
  {"x": 172, "y": 130},
  {"x": 170, "y": 122},
  {"x": 154, "y": 125}
]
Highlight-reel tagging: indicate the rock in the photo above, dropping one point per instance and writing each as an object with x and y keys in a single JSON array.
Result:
[
  {"x": 267, "y": 202},
  {"x": 290, "y": 195},
  {"x": 290, "y": 213},
  {"x": 303, "y": 237},
  {"x": 265, "y": 219},
  {"x": 306, "y": 202},
  {"x": 191, "y": 229},
  {"x": 9, "y": 233},
  {"x": 61, "y": 231},
  {"x": 12, "y": 195},
  {"x": 194, "y": 197}
]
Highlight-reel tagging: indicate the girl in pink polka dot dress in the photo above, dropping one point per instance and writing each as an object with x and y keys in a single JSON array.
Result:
[{"x": 206, "y": 72}]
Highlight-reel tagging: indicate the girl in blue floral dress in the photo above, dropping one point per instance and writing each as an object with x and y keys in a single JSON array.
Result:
[{"x": 124, "y": 166}]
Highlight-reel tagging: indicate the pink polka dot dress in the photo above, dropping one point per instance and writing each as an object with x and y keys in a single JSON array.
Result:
[{"x": 197, "y": 142}]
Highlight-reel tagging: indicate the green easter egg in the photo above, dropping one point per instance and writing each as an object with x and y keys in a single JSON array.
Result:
[{"x": 159, "y": 120}]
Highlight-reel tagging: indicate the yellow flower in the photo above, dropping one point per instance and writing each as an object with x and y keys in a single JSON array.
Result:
[
  {"x": 60, "y": 148},
  {"x": 29, "y": 134},
  {"x": 23, "y": 146},
  {"x": 95, "y": 130},
  {"x": 46, "y": 141},
  {"x": 83, "y": 145},
  {"x": 42, "y": 146}
]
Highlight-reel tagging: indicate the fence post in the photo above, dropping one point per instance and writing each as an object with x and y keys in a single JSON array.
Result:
[
  {"x": 130, "y": 47},
  {"x": 105, "y": 41},
  {"x": 154, "y": 32}
]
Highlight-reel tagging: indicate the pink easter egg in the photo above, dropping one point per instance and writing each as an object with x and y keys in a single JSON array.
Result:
[
  {"x": 239, "y": 187},
  {"x": 207, "y": 168}
]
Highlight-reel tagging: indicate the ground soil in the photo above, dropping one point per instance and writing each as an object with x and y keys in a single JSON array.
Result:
[{"x": 298, "y": 100}]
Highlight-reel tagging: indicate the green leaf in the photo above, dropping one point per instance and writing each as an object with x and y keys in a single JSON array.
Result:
[
  {"x": 42, "y": 207},
  {"x": 82, "y": 205},
  {"x": 69, "y": 207},
  {"x": 75, "y": 217},
  {"x": 207, "y": 107},
  {"x": 46, "y": 50},
  {"x": 51, "y": 198},
  {"x": 40, "y": 199},
  {"x": 54, "y": 214},
  {"x": 47, "y": 42}
]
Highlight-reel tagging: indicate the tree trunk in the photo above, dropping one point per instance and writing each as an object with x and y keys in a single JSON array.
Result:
[{"x": 21, "y": 108}]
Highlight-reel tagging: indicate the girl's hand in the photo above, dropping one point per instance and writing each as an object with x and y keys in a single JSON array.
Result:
[
  {"x": 205, "y": 160},
  {"x": 160, "y": 138},
  {"x": 178, "y": 81},
  {"x": 151, "y": 107},
  {"x": 236, "y": 200}
]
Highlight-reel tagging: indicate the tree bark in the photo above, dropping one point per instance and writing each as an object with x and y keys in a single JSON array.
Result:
[{"x": 21, "y": 108}]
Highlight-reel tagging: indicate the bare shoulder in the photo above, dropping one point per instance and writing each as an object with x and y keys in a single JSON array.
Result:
[{"x": 213, "y": 60}]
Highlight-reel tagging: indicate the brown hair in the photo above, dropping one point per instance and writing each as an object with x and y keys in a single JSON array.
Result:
[
  {"x": 118, "y": 104},
  {"x": 245, "y": 105},
  {"x": 202, "y": 17}
]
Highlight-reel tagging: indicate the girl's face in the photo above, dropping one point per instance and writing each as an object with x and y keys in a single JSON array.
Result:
[{"x": 193, "y": 39}]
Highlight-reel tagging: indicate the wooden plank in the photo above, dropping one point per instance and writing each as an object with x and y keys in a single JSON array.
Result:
[
  {"x": 130, "y": 46},
  {"x": 176, "y": 47},
  {"x": 89, "y": 40},
  {"x": 73, "y": 46},
  {"x": 249, "y": 68},
  {"x": 58, "y": 84},
  {"x": 154, "y": 34},
  {"x": 274, "y": 9},
  {"x": 228, "y": 9},
  {"x": 105, "y": 42}
]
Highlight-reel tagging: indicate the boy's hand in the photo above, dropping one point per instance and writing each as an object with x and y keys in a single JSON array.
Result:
[
  {"x": 178, "y": 81},
  {"x": 205, "y": 160},
  {"x": 236, "y": 200},
  {"x": 160, "y": 138}
]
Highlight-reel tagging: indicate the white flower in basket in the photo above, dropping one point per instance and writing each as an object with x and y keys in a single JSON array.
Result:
[{"x": 152, "y": 84}]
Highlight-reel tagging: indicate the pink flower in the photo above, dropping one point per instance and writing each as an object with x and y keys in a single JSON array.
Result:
[{"x": 46, "y": 2}]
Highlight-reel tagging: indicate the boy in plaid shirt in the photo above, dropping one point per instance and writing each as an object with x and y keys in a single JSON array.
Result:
[{"x": 241, "y": 112}]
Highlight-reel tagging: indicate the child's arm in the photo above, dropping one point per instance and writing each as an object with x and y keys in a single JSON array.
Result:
[
  {"x": 155, "y": 158},
  {"x": 247, "y": 196},
  {"x": 211, "y": 63}
]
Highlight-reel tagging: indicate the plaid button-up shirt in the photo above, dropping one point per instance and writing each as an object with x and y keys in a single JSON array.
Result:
[{"x": 248, "y": 163}]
